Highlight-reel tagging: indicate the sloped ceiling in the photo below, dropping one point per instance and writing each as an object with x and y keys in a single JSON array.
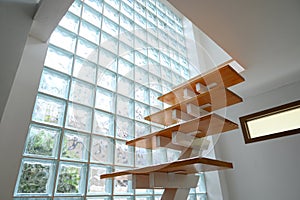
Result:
[{"x": 263, "y": 36}]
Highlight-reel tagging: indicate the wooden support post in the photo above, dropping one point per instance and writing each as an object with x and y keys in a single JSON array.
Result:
[
  {"x": 197, "y": 111},
  {"x": 181, "y": 116},
  {"x": 188, "y": 93},
  {"x": 189, "y": 140}
]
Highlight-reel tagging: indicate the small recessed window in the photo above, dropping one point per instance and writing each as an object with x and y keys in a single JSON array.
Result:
[{"x": 272, "y": 123}]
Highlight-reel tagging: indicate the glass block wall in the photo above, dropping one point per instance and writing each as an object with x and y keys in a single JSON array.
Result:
[{"x": 107, "y": 62}]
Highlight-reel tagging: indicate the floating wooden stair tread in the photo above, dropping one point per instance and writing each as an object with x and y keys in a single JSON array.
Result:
[
  {"x": 224, "y": 76},
  {"x": 217, "y": 98},
  {"x": 183, "y": 166},
  {"x": 206, "y": 125}
]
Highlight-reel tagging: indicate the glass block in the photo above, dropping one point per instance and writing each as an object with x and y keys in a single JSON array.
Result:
[
  {"x": 76, "y": 7},
  {"x": 79, "y": 117},
  {"x": 111, "y": 13},
  {"x": 42, "y": 141},
  {"x": 201, "y": 197},
  {"x": 105, "y": 100},
  {"x": 163, "y": 47},
  {"x": 82, "y": 92},
  {"x": 141, "y": 76},
  {"x": 143, "y": 2},
  {"x": 89, "y": 32},
  {"x": 110, "y": 27},
  {"x": 151, "y": 17},
  {"x": 108, "y": 60},
  {"x": 64, "y": 39},
  {"x": 98, "y": 198},
  {"x": 106, "y": 79},
  {"x": 114, "y": 3},
  {"x": 126, "y": 52},
  {"x": 152, "y": 28},
  {"x": 97, "y": 185},
  {"x": 139, "y": 8},
  {"x": 59, "y": 60},
  {"x": 180, "y": 30},
  {"x": 153, "y": 54},
  {"x": 185, "y": 73},
  {"x": 54, "y": 83},
  {"x": 126, "y": 37},
  {"x": 48, "y": 110},
  {"x": 129, "y": 2},
  {"x": 174, "y": 55},
  {"x": 126, "y": 23},
  {"x": 141, "y": 93},
  {"x": 141, "y": 60},
  {"x": 141, "y": 129},
  {"x": 109, "y": 43},
  {"x": 150, "y": 6},
  {"x": 141, "y": 111},
  {"x": 143, "y": 197},
  {"x": 102, "y": 150},
  {"x": 70, "y": 179},
  {"x": 32, "y": 198},
  {"x": 35, "y": 178},
  {"x": 191, "y": 197},
  {"x": 161, "y": 6},
  {"x": 181, "y": 40},
  {"x": 154, "y": 81},
  {"x": 75, "y": 146},
  {"x": 159, "y": 156},
  {"x": 201, "y": 187},
  {"x": 91, "y": 15},
  {"x": 153, "y": 41},
  {"x": 172, "y": 155},
  {"x": 176, "y": 79},
  {"x": 122, "y": 197},
  {"x": 140, "y": 32},
  {"x": 103, "y": 123},
  {"x": 155, "y": 129},
  {"x": 142, "y": 157},
  {"x": 123, "y": 154},
  {"x": 127, "y": 10},
  {"x": 125, "y": 107},
  {"x": 183, "y": 61},
  {"x": 84, "y": 70},
  {"x": 166, "y": 87},
  {"x": 125, "y": 68},
  {"x": 140, "y": 20},
  {"x": 154, "y": 110},
  {"x": 125, "y": 87},
  {"x": 122, "y": 185},
  {"x": 140, "y": 46},
  {"x": 158, "y": 197},
  {"x": 96, "y": 4},
  {"x": 173, "y": 43},
  {"x": 124, "y": 128},
  {"x": 87, "y": 50},
  {"x": 70, "y": 22},
  {"x": 154, "y": 67},
  {"x": 164, "y": 60},
  {"x": 166, "y": 74},
  {"x": 68, "y": 198},
  {"x": 154, "y": 101}
]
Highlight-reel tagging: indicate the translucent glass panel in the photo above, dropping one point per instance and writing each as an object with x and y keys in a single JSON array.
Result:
[
  {"x": 97, "y": 185},
  {"x": 82, "y": 93},
  {"x": 122, "y": 185},
  {"x": 105, "y": 100},
  {"x": 89, "y": 32},
  {"x": 124, "y": 128},
  {"x": 103, "y": 123},
  {"x": 123, "y": 154},
  {"x": 102, "y": 149},
  {"x": 64, "y": 39},
  {"x": 84, "y": 70},
  {"x": 79, "y": 117},
  {"x": 106, "y": 79},
  {"x": 87, "y": 50}
]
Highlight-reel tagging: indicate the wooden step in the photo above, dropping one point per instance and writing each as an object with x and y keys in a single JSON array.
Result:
[
  {"x": 223, "y": 76},
  {"x": 207, "y": 125},
  {"x": 214, "y": 99},
  {"x": 184, "y": 166}
]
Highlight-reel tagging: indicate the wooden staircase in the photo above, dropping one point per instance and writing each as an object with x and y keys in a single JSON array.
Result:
[{"x": 190, "y": 121}]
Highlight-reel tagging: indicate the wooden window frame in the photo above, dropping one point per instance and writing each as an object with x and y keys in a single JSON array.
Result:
[{"x": 265, "y": 113}]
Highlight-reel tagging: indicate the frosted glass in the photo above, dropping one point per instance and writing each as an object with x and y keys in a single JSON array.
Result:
[
  {"x": 82, "y": 92},
  {"x": 76, "y": 7},
  {"x": 125, "y": 107},
  {"x": 140, "y": 9},
  {"x": 42, "y": 141},
  {"x": 140, "y": 32},
  {"x": 48, "y": 110},
  {"x": 124, "y": 128},
  {"x": 54, "y": 83},
  {"x": 109, "y": 43},
  {"x": 97, "y": 185},
  {"x": 103, "y": 123},
  {"x": 64, "y": 39},
  {"x": 126, "y": 23},
  {"x": 155, "y": 82},
  {"x": 164, "y": 60},
  {"x": 79, "y": 117},
  {"x": 102, "y": 150},
  {"x": 91, "y": 16},
  {"x": 142, "y": 157},
  {"x": 127, "y": 10},
  {"x": 114, "y": 3},
  {"x": 125, "y": 87},
  {"x": 143, "y": 2},
  {"x": 108, "y": 60},
  {"x": 75, "y": 146},
  {"x": 141, "y": 93},
  {"x": 153, "y": 54},
  {"x": 153, "y": 41},
  {"x": 126, "y": 52},
  {"x": 70, "y": 22},
  {"x": 154, "y": 101},
  {"x": 141, "y": 129},
  {"x": 166, "y": 74},
  {"x": 96, "y": 4},
  {"x": 87, "y": 50},
  {"x": 89, "y": 32},
  {"x": 106, "y": 79},
  {"x": 141, "y": 76},
  {"x": 125, "y": 68},
  {"x": 59, "y": 60},
  {"x": 67, "y": 172},
  {"x": 105, "y": 100},
  {"x": 35, "y": 178},
  {"x": 141, "y": 60},
  {"x": 110, "y": 27},
  {"x": 129, "y": 2},
  {"x": 111, "y": 13},
  {"x": 150, "y": 6},
  {"x": 84, "y": 70},
  {"x": 123, "y": 154},
  {"x": 140, "y": 20},
  {"x": 141, "y": 111},
  {"x": 126, "y": 37}
]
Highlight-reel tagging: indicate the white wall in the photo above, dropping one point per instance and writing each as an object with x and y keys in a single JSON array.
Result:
[{"x": 267, "y": 170}]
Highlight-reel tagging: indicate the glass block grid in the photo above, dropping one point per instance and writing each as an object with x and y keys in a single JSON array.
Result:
[{"x": 107, "y": 62}]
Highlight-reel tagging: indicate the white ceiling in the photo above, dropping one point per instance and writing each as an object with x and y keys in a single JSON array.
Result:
[{"x": 262, "y": 35}]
